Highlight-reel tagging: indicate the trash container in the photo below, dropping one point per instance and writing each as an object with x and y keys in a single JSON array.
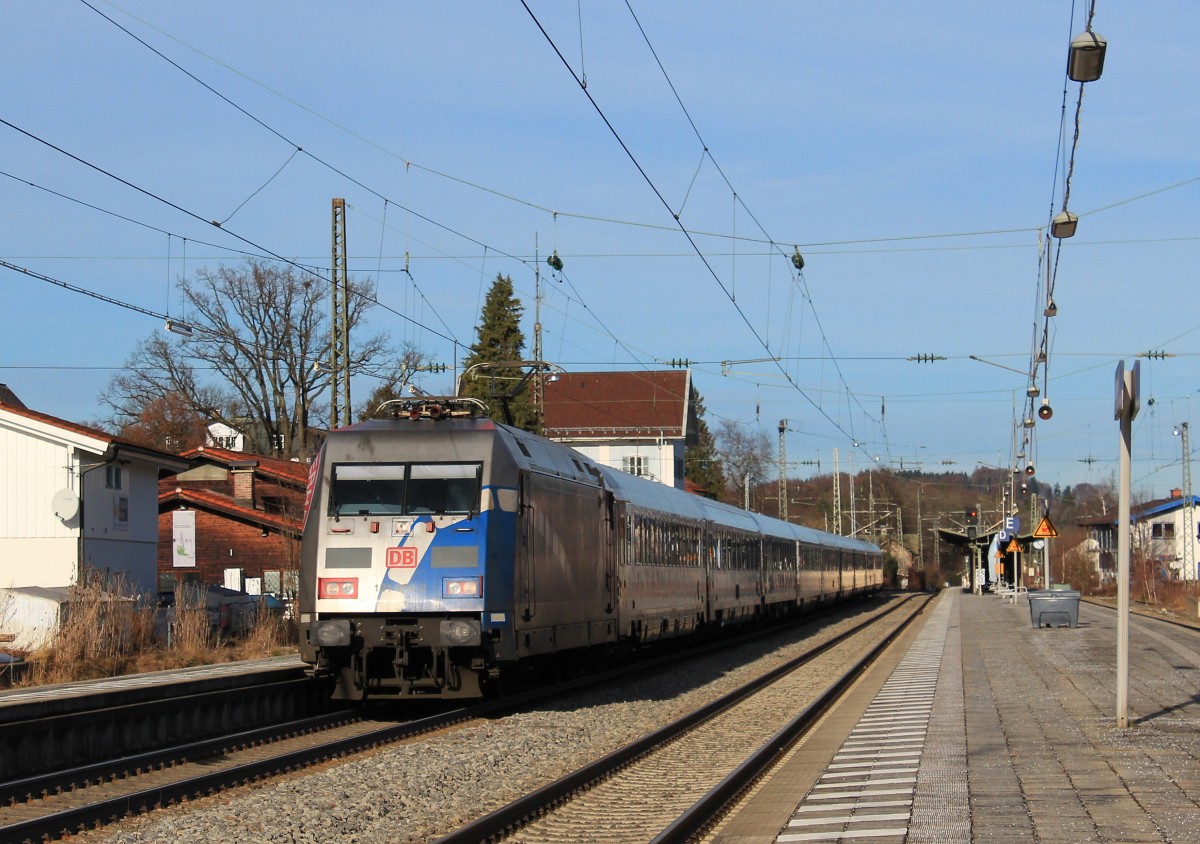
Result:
[{"x": 1054, "y": 607}]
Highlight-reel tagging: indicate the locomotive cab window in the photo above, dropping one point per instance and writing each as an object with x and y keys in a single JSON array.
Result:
[
  {"x": 393, "y": 489},
  {"x": 442, "y": 488}
]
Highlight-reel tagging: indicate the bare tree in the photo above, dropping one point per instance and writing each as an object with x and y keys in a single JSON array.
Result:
[
  {"x": 259, "y": 329},
  {"x": 743, "y": 453}
]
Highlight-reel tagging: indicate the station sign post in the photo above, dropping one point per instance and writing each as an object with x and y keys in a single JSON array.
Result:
[{"x": 1126, "y": 404}]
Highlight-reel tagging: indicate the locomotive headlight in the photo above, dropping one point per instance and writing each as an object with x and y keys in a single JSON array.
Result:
[
  {"x": 337, "y": 588},
  {"x": 459, "y": 632},
  {"x": 332, "y": 634},
  {"x": 462, "y": 587}
]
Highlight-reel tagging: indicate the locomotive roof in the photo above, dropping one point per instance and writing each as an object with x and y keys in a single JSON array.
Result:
[{"x": 561, "y": 460}]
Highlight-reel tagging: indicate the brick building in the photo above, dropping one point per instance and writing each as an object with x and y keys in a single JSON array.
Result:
[{"x": 232, "y": 519}]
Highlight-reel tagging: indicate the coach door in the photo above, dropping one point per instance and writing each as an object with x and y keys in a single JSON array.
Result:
[
  {"x": 608, "y": 550},
  {"x": 563, "y": 567}
]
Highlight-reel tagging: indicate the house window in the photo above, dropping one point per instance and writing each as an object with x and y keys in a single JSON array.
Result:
[
  {"x": 121, "y": 512},
  {"x": 227, "y": 442},
  {"x": 272, "y": 583},
  {"x": 634, "y": 465},
  {"x": 113, "y": 477},
  {"x": 1162, "y": 530}
]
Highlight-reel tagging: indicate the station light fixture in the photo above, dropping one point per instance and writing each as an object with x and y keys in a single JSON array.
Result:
[
  {"x": 1085, "y": 62},
  {"x": 180, "y": 328},
  {"x": 1064, "y": 225}
]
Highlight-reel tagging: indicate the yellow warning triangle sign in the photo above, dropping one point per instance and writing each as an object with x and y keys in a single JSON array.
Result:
[
  {"x": 1045, "y": 530},
  {"x": 1013, "y": 547}
]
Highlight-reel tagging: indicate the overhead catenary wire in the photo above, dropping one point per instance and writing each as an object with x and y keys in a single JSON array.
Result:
[{"x": 662, "y": 200}]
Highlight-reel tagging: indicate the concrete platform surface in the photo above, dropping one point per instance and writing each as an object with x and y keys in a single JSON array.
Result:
[{"x": 981, "y": 728}]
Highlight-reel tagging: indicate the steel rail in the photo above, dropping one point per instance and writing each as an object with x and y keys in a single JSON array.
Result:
[
  {"x": 514, "y": 814},
  {"x": 72, "y": 820},
  {"x": 44, "y": 785},
  {"x": 704, "y": 811},
  {"x": 69, "y": 821}
]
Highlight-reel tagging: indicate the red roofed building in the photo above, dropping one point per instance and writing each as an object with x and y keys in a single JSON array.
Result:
[
  {"x": 232, "y": 519},
  {"x": 638, "y": 422}
]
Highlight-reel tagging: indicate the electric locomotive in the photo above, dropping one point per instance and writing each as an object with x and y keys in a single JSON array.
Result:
[{"x": 442, "y": 552}]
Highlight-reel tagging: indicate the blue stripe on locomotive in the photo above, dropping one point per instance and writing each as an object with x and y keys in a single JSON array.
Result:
[{"x": 426, "y": 590}]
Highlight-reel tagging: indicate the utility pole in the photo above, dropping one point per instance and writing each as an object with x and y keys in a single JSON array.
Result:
[
  {"x": 837, "y": 494},
  {"x": 339, "y": 324}
]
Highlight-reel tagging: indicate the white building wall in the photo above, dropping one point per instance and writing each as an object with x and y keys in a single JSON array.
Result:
[
  {"x": 38, "y": 562},
  {"x": 31, "y": 619},
  {"x": 36, "y": 547},
  {"x": 121, "y": 525},
  {"x": 35, "y": 468},
  {"x": 1174, "y": 551},
  {"x": 221, "y": 435},
  {"x": 659, "y": 458}
]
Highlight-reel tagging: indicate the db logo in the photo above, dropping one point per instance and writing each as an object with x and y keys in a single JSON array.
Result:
[{"x": 402, "y": 558}]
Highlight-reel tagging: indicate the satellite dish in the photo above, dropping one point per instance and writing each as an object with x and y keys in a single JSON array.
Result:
[{"x": 65, "y": 504}]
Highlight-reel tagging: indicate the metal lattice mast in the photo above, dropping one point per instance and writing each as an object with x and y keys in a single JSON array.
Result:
[
  {"x": 536, "y": 386},
  {"x": 837, "y": 494},
  {"x": 853, "y": 515},
  {"x": 339, "y": 323},
  {"x": 1189, "y": 518},
  {"x": 783, "y": 493}
]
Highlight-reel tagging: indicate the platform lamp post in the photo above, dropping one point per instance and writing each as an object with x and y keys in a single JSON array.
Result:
[{"x": 1125, "y": 408}]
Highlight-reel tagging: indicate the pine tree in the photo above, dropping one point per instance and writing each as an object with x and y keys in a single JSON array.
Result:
[
  {"x": 500, "y": 340},
  {"x": 701, "y": 464}
]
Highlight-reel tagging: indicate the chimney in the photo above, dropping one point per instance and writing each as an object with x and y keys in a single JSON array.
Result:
[
  {"x": 1177, "y": 493},
  {"x": 242, "y": 475}
]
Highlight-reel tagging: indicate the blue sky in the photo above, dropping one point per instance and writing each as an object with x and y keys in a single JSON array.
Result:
[{"x": 913, "y": 152}]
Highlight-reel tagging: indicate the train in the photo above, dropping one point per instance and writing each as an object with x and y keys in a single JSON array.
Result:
[{"x": 446, "y": 555}]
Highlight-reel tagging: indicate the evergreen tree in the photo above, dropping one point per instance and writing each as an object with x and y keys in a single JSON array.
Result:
[
  {"x": 701, "y": 464},
  {"x": 499, "y": 340}
]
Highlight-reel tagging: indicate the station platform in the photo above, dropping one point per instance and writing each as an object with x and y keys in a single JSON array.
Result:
[
  {"x": 978, "y": 727},
  {"x": 65, "y": 698}
]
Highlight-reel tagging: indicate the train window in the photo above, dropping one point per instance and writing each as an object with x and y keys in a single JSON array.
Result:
[
  {"x": 442, "y": 488},
  {"x": 367, "y": 489},
  {"x": 392, "y": 489}
]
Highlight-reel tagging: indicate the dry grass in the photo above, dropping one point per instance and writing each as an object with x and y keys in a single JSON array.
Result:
[{"x": 100, "y": 635}]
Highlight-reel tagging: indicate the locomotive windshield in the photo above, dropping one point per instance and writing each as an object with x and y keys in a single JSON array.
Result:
[{"x": 394, "y": 489}]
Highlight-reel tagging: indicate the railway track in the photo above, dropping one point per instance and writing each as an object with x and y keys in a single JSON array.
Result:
[
  {"x": 670, "y": 785},
  {"x": 67, "y": 802}
]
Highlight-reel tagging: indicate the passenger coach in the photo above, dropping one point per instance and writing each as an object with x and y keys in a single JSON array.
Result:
[{"x": 443, "y": 553}]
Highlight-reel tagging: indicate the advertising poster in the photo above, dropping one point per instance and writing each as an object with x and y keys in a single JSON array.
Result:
[{"x": 183, "y": 539}]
